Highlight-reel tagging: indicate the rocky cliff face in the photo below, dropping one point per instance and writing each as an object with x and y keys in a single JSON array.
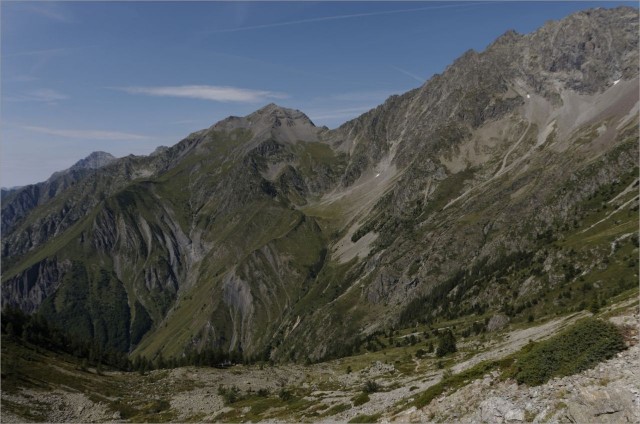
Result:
[{"x": 509, "y": 176}]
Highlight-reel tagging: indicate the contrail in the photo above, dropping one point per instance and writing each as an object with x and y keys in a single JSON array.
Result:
[
  {"x": 337, "y": 17},
  {"x": 415, "y": 77}
]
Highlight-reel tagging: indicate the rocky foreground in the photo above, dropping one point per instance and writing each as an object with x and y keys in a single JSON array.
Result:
[
  {"x": 609, "y": 393},
  {"x": 52, "y": 389}
]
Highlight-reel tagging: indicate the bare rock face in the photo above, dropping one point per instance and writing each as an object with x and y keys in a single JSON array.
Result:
[
  {"x": 94, "y": 161},
  {"x": 499, "y": 410},
  {"x": 587, "y": 50},
  {"x": 273, "y": 122},
  {"x": 30, "y": 288},
  {"x": 602, "y": 405},
  {"x": 497, "y": 322}
]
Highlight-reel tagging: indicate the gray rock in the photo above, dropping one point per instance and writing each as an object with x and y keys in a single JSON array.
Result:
[{"x": 497, "y": 322}]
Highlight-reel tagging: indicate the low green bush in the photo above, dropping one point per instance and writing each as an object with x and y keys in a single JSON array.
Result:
[
  {"x": 365, "y": 418},
  {"x": 285, "y": 395},
  {"x": 576, "y": 349},
  {"x": 336, "y": 409},
  {"x": 229, "y": 395},
  {"x": 360, "y": 399},
  {"x": 370, "y": 386}
]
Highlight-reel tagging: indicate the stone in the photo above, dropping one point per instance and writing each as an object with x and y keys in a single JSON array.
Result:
[
  {"x": 514, "y": 415},
  {"x": 497, "y": 322}
]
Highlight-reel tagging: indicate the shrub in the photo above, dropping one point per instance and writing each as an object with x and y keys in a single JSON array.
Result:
[
  {"x": 446, "y": 344},
  {"x": 336, "y": 409},
  {"x": 229, "y": 395},
  {"x": 285, "y": 395},
  {"x": 574, "y": 350},
  {"x": 360, "y": 399},
  {"x": 370, "y": 387},
  {"x": 446, "y": 374},
  {"x": 365, "y": 418}
]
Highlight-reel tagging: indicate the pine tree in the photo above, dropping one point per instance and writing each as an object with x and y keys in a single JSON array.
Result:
[{"x": 446, "y": 344}]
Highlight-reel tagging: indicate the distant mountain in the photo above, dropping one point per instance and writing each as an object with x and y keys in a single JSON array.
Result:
[
  {"x": 505, "y": 185},
  {"x": 18, "y": 202},
  {"x": 4, "y": 191}
]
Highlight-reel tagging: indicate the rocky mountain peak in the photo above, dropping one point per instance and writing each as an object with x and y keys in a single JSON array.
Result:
[
  {"x": 276, "y": 116},
  {"x": 273, "y": 121},
  {"x": 94, "y": 161},
  {"x": 509, "y": 37}
]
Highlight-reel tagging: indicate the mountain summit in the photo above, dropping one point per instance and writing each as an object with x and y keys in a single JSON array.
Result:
[
  {"x": 94, "y": 161},
  {"x": 504, "y": 187},
  {"x": 284, "y": 124}
]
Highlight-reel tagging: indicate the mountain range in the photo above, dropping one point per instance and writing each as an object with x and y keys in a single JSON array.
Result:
[{"x": 505, "y": 187}]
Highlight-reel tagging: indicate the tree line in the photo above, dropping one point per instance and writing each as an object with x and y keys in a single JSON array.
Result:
[{"x": 35, "y": 330}]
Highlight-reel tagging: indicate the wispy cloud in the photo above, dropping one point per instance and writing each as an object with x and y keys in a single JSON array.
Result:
[
  {"x": 339, "y": 17},
  {"x": 38, "y": 53},
  {"x": 409, "y": 74},
  {"x": 48, "y": 10},
  {"x": 37, "y": 58},
  {"x": 333, "y": 109},
  {"x": 86, "y": 134},
  {"x": 207, "y": 92},
  {"x": 45, "y": 95}
]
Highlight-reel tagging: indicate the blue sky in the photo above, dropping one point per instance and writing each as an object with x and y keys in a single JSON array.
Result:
[{"x": 126, "y": 77}]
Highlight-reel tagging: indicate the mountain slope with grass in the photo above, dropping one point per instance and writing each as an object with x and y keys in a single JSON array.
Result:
[{"x": 504, "y": 190}]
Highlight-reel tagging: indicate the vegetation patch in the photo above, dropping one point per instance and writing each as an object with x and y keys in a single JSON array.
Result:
[
  {"x": 360, "y": 399},
  {"x": 365, "y": 418},
  {"x": 576, "y": 349},
  {"x": 454, "y": 382},
  {"x": 336, "y": 409}
]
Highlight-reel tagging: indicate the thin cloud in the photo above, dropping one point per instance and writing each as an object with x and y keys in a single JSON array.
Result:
[
  {"x": 409, "y": 74},
  {"x": 207, "y": 92},
  {"x": 86, "y": 134},
  {"x": 45, "y": 95},
  {"x": 339, "y": 17},
  {"x": 38, "y": 58},
  {"x": 39, "y": 53},
  {"x": 49, "y": 11}
]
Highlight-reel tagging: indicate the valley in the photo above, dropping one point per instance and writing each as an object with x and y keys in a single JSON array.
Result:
[
  {"x": 392, "y": 383},
  {"x": 425, "y": 261}
]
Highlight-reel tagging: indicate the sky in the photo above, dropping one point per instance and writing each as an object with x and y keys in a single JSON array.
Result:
[{"x": 126, "y": 77}]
